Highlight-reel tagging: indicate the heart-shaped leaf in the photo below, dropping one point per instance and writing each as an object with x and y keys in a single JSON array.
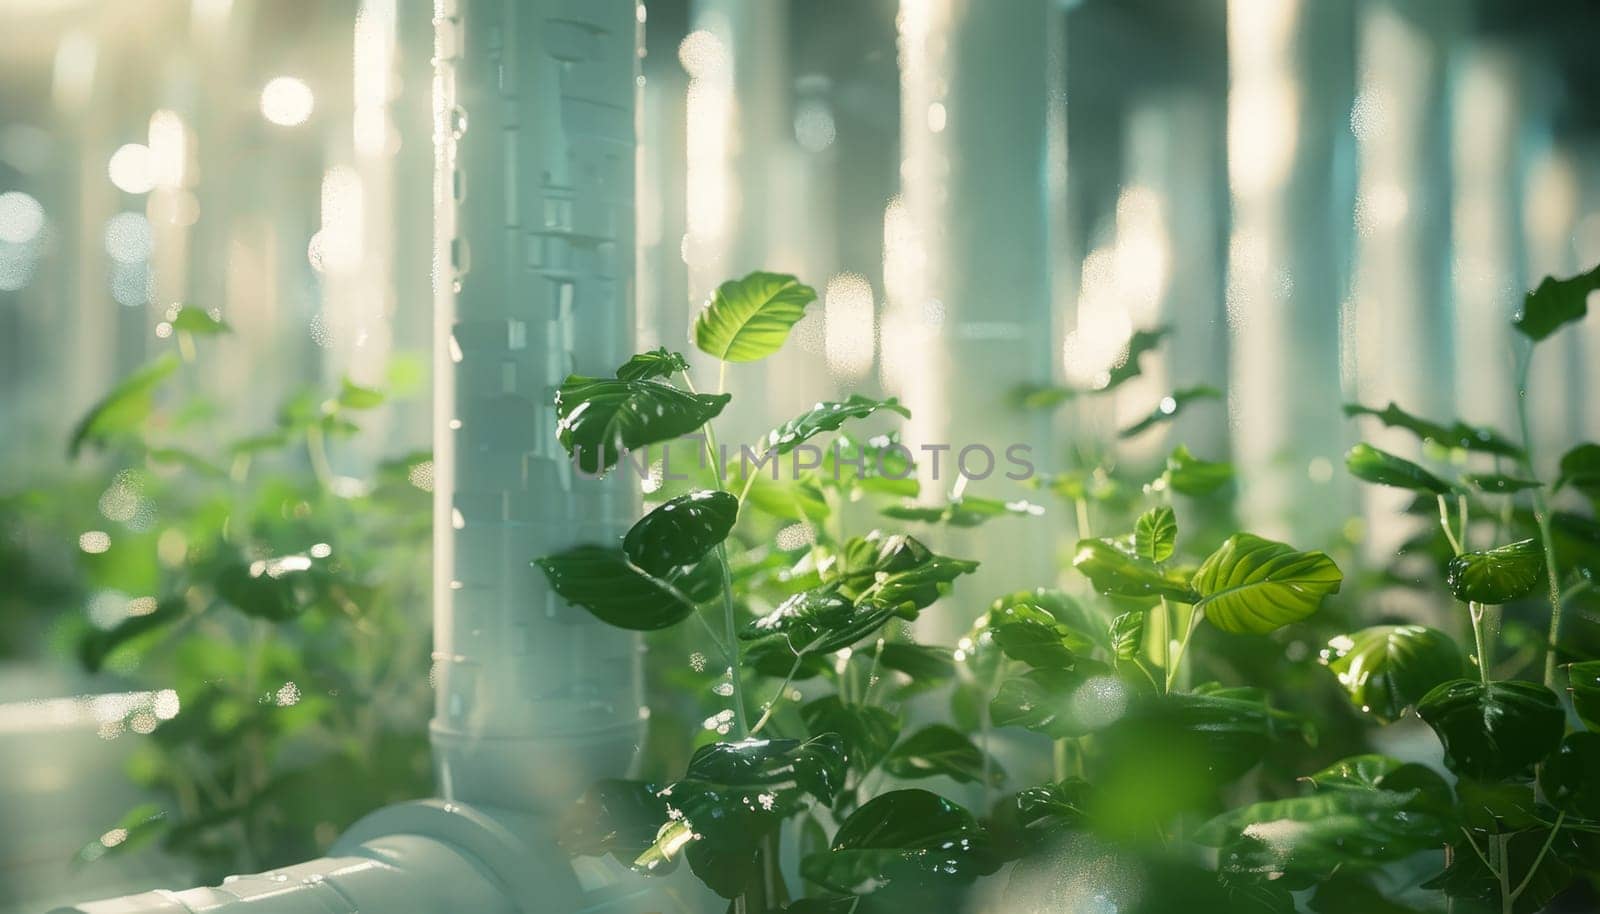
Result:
[
  {"x": 1155, "y": 534},
  {"x": 1367, "y": 463},
  {"x": 1321, "y": 833},
  {"x": 1554, "y": 303},
  {"x": 657, "y": 363},
  {"x": 903, "y": 836},
  {"x": 1497, "y": 575},
  {"x": 867, "y": 730},
  {"x": 1493, "y": 731},
  {"x": 600, "y": 418},
  {"x": 616, "y": 591},
  {"x": 681, "y": 531},
  {"x": 1127, "y": 635},
  {"x": 941, "y": 750},
  {"x": 1169, "y": 408},
  {"x": 749, "y": 319},
  {"x": 1253, "y": 585},
  {"x": 1388, "y": 668},
  {"x": 1583, "y": 679},
  {"x": 1114, "y": 570},
  {"x": 1580, "y": 468},
  {"x": 1571, "y": 777},
  {"x": 827, "y": 417},
  {"x": 1456, "y": 435},
  {"x": 1189, "y": 475}
]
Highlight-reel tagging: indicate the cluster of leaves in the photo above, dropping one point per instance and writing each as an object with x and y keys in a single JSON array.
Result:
[{"x": 275, "y": 607}]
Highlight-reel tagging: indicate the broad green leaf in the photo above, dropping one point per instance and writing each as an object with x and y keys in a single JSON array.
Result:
[
  {"x": 1127, "y": 635},
  {"x": 1030, "y": 634},
  {"x": 1052, "y": 808},
  {"x": 1498, "y": 483},
  {"x": 1113, "y": 570},
  {"x": 1380, "y": 772},
  {"x": 265, "y": 590},
  {"x": 1367, "y": 463},
  {"x": 941, "y": 750},
  {"x": 1253, "y": 586},
  {"x": 97, "y": 644},
  {"x": 122, "y": 411},
  {"x": 1060, "y": 703},
  {"x": 1571, "y": 777},
  {"x": 1497, "y": 575},
  {"x": 910, "y": 836},
  {"x": 1388, "y": 668},
  {"x": 749, "y": 319},
  {"x": 196, "y": 321},
  {"x": 1493, "y": 731},
  {"x": 681, "y": 531},
  {"x": 795, "y": 500},
  {"x": 657, "y": 363},
  {"x": 1556, "y": 302},
  {"x": 1318, "y": 834},
  {"x": 919, "y": 587},
  {"x": 1213, "y": 733},
  {"x": 867, "y": 730},
  {"x": 1155, "y": 534},
  {"x": 965, "y": 511},
  {"x": 354, "y": 396},
  {"x": 613, "y": 817},
  {"x": 613, "y": 589},
  {"x": 1189, "y": 475},
  {"x": 818, "y": 621},
  {"x": 924, "y": 663},
  {"x": 1580, "y": 468},
  {"x": 1583, "y": 680},
  {"x": 1169, "y": 408},
  {"x": 1456, "y": 435},
  {"x": 735, "y": 794},
  {"x": 599, "y": 418},
  {"x": 827, "y": 417}
]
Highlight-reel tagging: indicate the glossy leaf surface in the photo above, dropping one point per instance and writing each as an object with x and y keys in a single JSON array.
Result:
[
  {"x": 903, "y": 836},
  {"x": 1493, "y": 731},
  {"x": 1388, "y": 668},
  {"x": 1253, "y": 585},
  {"x": 1155, "y": 534},
  {"x": 599, "y": 418},
  {"x": 1114, "y": 570},
  {"x": 681, "y": 531},
  {"x": 1497, "y": 575},
  {"x": 616, "y": 591},
  {"x": 827, "y": 417},
  {"x": 942, "y": 750},
  {"x": 750, "y": 318},
  {"x": 1369, "y": 464},
  {"x": 657, "y": 363}
]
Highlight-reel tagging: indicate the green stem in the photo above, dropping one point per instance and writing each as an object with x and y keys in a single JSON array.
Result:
[
  {"x": 777, "y": 699},
  {"x": 1548, "y": 841},
  {"x": 1476, "y": 612},
  {"x": 1082, "y": 508},
  {"x": 1444, "y": 522},
  {"x": 317, "y": 450},
  {"x": 1058, "y": 758},
  {"x": 1541, "y": 516},
  {"x": 1196, "y": 614},
  {"x": 1167, "y": 627},
  {"x": 730, "y": 625}
]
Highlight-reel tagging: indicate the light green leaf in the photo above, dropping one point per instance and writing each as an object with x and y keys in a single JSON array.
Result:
[
  {"x": 1113, "y": 570},
  {"x": 1030, "y": 634},
  {"x": 1155, "y": 534},
  {"x": 1494, "y": 731},
  {"x": 1367, "y": 463},
  {"x": 122, "y": 411},
  {"x": 749, "y": 319},
  {"x": 1457, "y": 434},
  {"x": 965, "y": 511},
  {"x": 599, "y": 418},
  {"x": 1189, "y": 475},
  {"x": 1497, "y": 575},
  {"x": 1253, "y": 585},
  {"x": 1388, "y": 668},
  {"x": 1127, "y": 635},
  {"x": 681, "y": 531},
  {"x": 354, "y": 396},
  {"x": 617, "y": 592},
  {"x": 1555, "y": 303},
  {"x": 657, "y": 363},
  {"x": 196, "y": 321},
  {"x": 827, "y": 417}
]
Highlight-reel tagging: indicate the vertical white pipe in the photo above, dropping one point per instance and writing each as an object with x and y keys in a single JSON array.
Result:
[
  {"x": 1288, "y": 108},
  {"x": 534, "y": 260},
  {"x": 969, "y": 311}
]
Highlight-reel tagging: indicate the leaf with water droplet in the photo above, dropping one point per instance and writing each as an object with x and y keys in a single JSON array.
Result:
[
  {"x": 1388, "y": 668},
  {"x": 1555, "y": 303},
  {"x": 1369, "y": 464}
]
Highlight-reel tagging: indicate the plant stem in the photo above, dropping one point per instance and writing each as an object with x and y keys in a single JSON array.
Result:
[
  {"x": 1058, "y": 758},
  {"x": 777, "y": 699},
  {"x": 1476, "y": 612},
  {"x": 1444, "y": 522},
  {"x": 1196, "y": 614},
  {"x": 731, "y": 631},
  {"x": 1167, "y": 626},
  {"x": 1541, "y": 516},
  {"x": 1534, "y": 868},
  {"x": 1082, "y": 507}
]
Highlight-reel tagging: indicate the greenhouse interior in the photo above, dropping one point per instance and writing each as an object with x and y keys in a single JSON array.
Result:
[{"x": 807, "y": 456}]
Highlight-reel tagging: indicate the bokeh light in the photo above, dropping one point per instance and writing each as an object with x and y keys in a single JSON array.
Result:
[
  {"x": 130, "y": 169},
  {"x": 287, "y": 101},
  {"x": 21, "y": 217}
]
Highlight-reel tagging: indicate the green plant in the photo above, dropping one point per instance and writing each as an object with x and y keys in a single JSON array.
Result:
[{"x": 274, "y": 608}]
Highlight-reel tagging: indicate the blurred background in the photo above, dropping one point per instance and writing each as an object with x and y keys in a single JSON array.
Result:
[{"x": 1325, "y": 202}]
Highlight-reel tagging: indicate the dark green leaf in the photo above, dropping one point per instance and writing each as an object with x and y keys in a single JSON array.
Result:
[
  {"x": 1321, "y": 833},
  {"x": 924, "y": 663},
  {"x": 1367, "y": 463},
  {"x": 1583, "y": 679},
  {"x": 827, "y": 417},
  {"x": 196, "y": 321},
  {"x": 1580, "y": 468},
  {"x": 1493, "y": 731},
  {"x": 681, "y": 531},
  {"x": 1050, "y": 809},
  {"x": 1169, "y": 408},
  {"x": 1497, "y": 575},
  {"x": 1252, "y": 585},
  {"x": 657, "y": 363},
  {"x": 1027, "y": 633},
  {"x": 818, "y": 621},
  {"x": 868, "y": 730},
  {"x": 1127, "y": 367},
  {"x": 599, "y": 418},
  {"x": 1571, "y": 777},
  {"x": 613, "y": 816},
  {"x": 749, "y": 318},
  {"x": 354, "y": 396},
  {"x": 122, "y": 411},
  {"x": 1388, "y": 668},
  {"x": 1554, "y": 303},
  {"x": 1467, "y": 877},
  {"x": 1059, "y": 703},
  {"x": 265, "y": 590},
  {"x": 617, "y": 592},
  {"x": 903, "y": 836},
  {"x": 97, "y": 645},
  {"x": 815, "y": 767},
  {"x": 941, "y": 750},
  {"x": 1113, "y": 570},
  {"x": 1380, "y": 772},
  {"x": 1189, "y": 475},
  {"x": 1456, "y": 435},
  {"x": 1155, "y": 534},
  {"x": 1498, "y": 483},
  {"x": 1346, "y": 893}
]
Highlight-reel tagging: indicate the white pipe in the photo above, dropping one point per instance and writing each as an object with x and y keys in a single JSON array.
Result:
[{"x": 534, "y": 251}]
